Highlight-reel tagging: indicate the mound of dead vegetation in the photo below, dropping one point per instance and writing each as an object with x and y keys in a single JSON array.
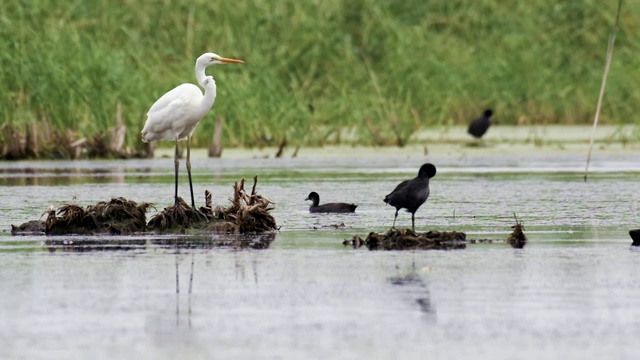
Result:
[
  {"x": 116, "y": 217},
  {"x": 517, "y": 239},
  {"x": 406, "y": 239},
  {"x": 248, "y": 213}
]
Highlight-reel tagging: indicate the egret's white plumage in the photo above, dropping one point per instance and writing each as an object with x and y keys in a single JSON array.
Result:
[{"x": 177, "y": 113}]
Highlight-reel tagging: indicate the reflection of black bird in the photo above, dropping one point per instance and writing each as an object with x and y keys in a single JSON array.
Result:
[
  {"x": 329, "y": 207},
  {"x": 479, "y": 126},
  {"x": 411, "y": 194}
]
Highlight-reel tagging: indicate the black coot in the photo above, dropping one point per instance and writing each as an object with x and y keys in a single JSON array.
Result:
[
  {"x": 635, "y": 236},
  {"x": 479, "y": 126},
  {"x": 411, "y": 194},
  {"x": 329, "y": 207}
]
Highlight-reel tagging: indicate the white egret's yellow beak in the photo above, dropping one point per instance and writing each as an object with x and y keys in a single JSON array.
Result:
[{"x": 230, "y": 61}]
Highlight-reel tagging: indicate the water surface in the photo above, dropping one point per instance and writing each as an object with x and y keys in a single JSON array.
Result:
[{"x": 572, "y": 292}]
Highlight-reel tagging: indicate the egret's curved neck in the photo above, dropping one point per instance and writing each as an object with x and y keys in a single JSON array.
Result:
[
  {"x": 209, "y": 89},
  {"x": 200, "y": 74}
]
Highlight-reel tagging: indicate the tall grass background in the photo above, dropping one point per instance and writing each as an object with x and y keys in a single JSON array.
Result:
[{"x": 315, "y": 70}]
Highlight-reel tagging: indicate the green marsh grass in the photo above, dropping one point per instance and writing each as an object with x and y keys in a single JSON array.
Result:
[{"x": 378, "y": 70}]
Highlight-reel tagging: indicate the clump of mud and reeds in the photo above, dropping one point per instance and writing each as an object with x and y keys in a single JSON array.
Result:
[
  {"x": 249, "y": 213},
  {"x": 406, "y": 239},
  {"x": 116, "y": 217},
  {"x": 517, "y": 239}
]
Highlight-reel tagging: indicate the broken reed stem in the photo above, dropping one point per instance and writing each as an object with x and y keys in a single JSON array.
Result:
[
  {"x": 612, "y": 39},
  {"x": 253, "y": 190},
  {"x": 215, "y": 150}
]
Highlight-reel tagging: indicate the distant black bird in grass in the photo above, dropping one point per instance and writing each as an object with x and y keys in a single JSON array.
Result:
[
  {"x": 411, "y": 194},
  {"x": 479, "y": 126},
  {"x": 328, "y": 207}
]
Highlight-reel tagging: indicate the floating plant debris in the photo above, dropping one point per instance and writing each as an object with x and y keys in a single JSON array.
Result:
[
  {"x": 406, "y": 239},
  {"x": 179, "y": 216},
  {"x": 483, "y": 241},
  {"x": 247, "y": 214},
  {"x": 116, "y": 217},
  {"x": 329, "y": 226},
  {"x": 517, "y": 238},
  {"x": 33, "y": 227}
]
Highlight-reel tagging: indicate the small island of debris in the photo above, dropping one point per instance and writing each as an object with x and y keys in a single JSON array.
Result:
[
  {"x": 247, "y": 214},
  {"x": 406, "y": 239}
]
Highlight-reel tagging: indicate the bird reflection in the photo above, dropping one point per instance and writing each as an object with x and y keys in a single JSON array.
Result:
[
  {"x": 188, "y": 293},
  {"x": 413, "y": 285}
]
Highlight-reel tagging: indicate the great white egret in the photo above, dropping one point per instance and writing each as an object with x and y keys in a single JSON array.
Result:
[
  {"x": 328, "y": 207},
  {"x": 177, "y": 113},
  {"x": 479, "y": 126},
  {"x": 411, "y": 194}
]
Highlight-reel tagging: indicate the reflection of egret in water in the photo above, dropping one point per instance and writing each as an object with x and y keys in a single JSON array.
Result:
[
  {"x": 189, "y": 291},
  {"x": 240, "y": 268},
  {"x": 416, "y": 288}
]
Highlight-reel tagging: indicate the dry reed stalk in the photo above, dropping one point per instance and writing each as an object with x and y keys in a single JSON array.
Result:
[
  {"x": 607, "y": 65},
  {"x": 215, "y": 150}
]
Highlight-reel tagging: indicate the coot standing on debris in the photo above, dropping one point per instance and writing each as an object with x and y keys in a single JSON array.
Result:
[
  {"x": 411, "y": 194},
  {"x": 479, "y": 126},
  {"x": 328, "y": 207}
]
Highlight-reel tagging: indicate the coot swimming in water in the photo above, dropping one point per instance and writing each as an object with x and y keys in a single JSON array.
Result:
[
  {"x": 479, "y": 126},
  {"x": 328, "y": 207},
  {"x": 411, "y": 194}
]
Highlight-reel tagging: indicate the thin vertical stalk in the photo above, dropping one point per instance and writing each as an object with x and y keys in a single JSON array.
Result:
[{"x": 607, "y": 66}]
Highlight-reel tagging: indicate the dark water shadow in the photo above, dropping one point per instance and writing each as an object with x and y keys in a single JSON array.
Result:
[{"x": 106, "y": 243}]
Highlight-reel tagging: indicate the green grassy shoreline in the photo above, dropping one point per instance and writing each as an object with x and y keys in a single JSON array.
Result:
[{"x": 381, "y": 69}]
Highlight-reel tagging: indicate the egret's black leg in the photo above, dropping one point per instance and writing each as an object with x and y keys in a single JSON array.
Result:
[
  {"x": 177, "y": 163},
  {"x": 193, "y": 202}
]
